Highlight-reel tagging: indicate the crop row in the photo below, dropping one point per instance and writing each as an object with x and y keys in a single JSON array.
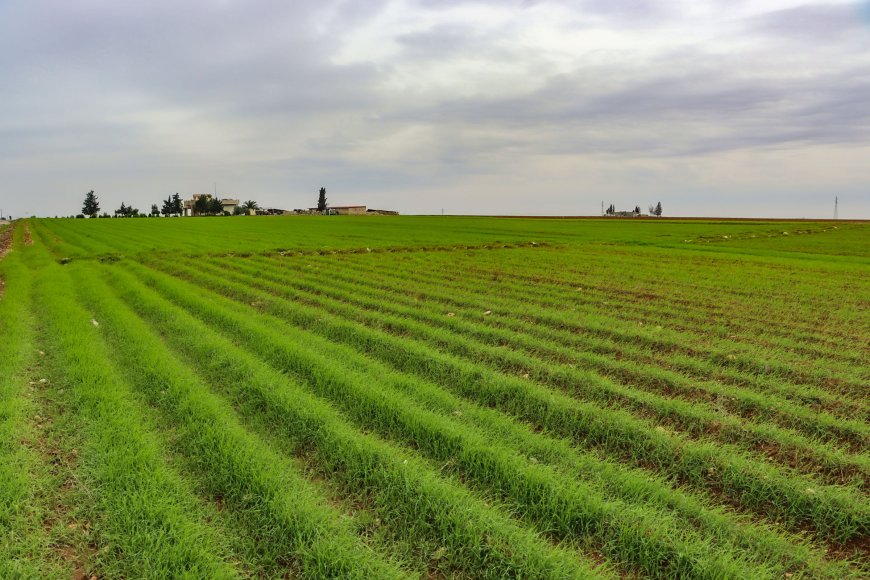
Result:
[
  {"x": 654, "y": 297},
  {"x": 738, "y": 400},
  {"x": 349, "y": 303},
  {"x": 566, "y": 510},
  {"x": 565, "y": 305},
  {"x": 553, "y": 327},
  {"x": 831, "y": 510},
  {"x": 409, "y": 495}
]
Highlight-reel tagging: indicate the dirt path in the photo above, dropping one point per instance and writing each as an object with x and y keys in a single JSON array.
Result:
[
  {"x": 63, "y": 496},
  {"x": 5, "y": 240},
  {"x": 5, "y": 247}
]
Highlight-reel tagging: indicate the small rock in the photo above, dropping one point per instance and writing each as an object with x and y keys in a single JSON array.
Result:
[
  {"x": 42, "y": 353},
  {"x": 487, "y": 313},
  {"x": 43, "y": 381},
  {"x": 451, "y": 314},
  {"x": 94, "y": 322}
]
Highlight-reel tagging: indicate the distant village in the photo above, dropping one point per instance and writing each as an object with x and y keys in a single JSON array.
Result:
[
  {"x": 206, "y": 204},
  {"x": 611, "y": 211}
]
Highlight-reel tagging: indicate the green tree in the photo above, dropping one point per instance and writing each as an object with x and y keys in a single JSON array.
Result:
[
  {"x": 250, "y": 205},
  {"x": 91, "y": 207},
  {"x": 167, "y": 207},
  {"x": 201, "y": 206},
  {"x": 216, "y": 207},
  {"x": 155, "y": 211},
  {"x": 659, "y": 208},
  {"x": 321, "y": 200},
  {"x": 177, "y": 205}
]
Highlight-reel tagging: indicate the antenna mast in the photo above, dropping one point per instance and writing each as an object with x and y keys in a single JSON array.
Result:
[{"x": 836, "y": 203}]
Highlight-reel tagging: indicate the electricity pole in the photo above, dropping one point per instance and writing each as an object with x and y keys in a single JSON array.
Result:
[{"x": 836, "y": 202}]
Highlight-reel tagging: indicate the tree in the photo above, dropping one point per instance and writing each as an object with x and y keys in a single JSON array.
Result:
[
  {"x": 652, "y": 210},
  {"x": 216, "y": 206},
  {"x": 91, "y": 206},
  {"x": 658, "y": 210},
  {"x": 155, "y": 211},
  {"x": 177, "y": 205},
  {"x": 637, "y": 209},
  {"x": 250, "y": 205},
  {"x": 202, "y": 205},
  {"x": 167, "y": 207},
  {"x": 121, "y": 211},
  {"x": 321, "y": 200}
]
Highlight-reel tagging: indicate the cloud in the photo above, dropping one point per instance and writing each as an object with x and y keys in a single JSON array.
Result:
[{"x": 412, "y": 101}]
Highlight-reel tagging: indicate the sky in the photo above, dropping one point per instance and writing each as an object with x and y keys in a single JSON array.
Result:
[{"x": 712, "y": 107}]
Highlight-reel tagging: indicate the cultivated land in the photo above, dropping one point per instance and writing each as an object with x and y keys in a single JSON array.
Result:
[{"x": 414, "y": 397}]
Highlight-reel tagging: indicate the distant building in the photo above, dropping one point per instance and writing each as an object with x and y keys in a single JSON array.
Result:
[
  {"x": 188, "y": 205},
  {"x": 230, "y": 205},
  {"x": 342, "y": 210}
]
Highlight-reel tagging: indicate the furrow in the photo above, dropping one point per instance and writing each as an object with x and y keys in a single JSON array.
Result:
[
  {"x": 538, "y": 494},
  {"x": 130, "y": 486},
  {"x": 417, "y": 323},
  {"x": 412, "y": 499},
  {"x": 834, "y": 512}
]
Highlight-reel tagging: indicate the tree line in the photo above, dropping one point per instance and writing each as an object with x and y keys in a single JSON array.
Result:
[
  {"x": 173, "y": 206},
  {"x": 655, "y": 210}
]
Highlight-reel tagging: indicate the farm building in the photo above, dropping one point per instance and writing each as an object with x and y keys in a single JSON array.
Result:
[
  {"x": 343, "y": 210},
  {"x": 229, "y": 204}
]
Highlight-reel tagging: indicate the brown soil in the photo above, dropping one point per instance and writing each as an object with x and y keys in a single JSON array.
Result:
[
  {"x": 28, "y": 240},
  {"x": 68, "y": 531},
  {"x": 5, "y": 241}
]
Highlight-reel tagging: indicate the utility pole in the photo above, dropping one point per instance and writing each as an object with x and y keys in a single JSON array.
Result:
[
  {"x": 836, "y": 203},
  {"x": 602, "y": 208}
]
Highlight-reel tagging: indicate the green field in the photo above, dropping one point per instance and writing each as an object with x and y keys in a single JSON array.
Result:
[{"x": 434, "y": 397}]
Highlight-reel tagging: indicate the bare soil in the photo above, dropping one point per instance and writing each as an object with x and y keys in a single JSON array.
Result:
[{"x": 5, "y": 241}]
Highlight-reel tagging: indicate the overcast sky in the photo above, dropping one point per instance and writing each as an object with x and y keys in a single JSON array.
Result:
[{"x": 713, "y": 107}]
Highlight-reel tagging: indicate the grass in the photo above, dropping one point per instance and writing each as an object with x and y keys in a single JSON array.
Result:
[{"x": 438, "y": 397}]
